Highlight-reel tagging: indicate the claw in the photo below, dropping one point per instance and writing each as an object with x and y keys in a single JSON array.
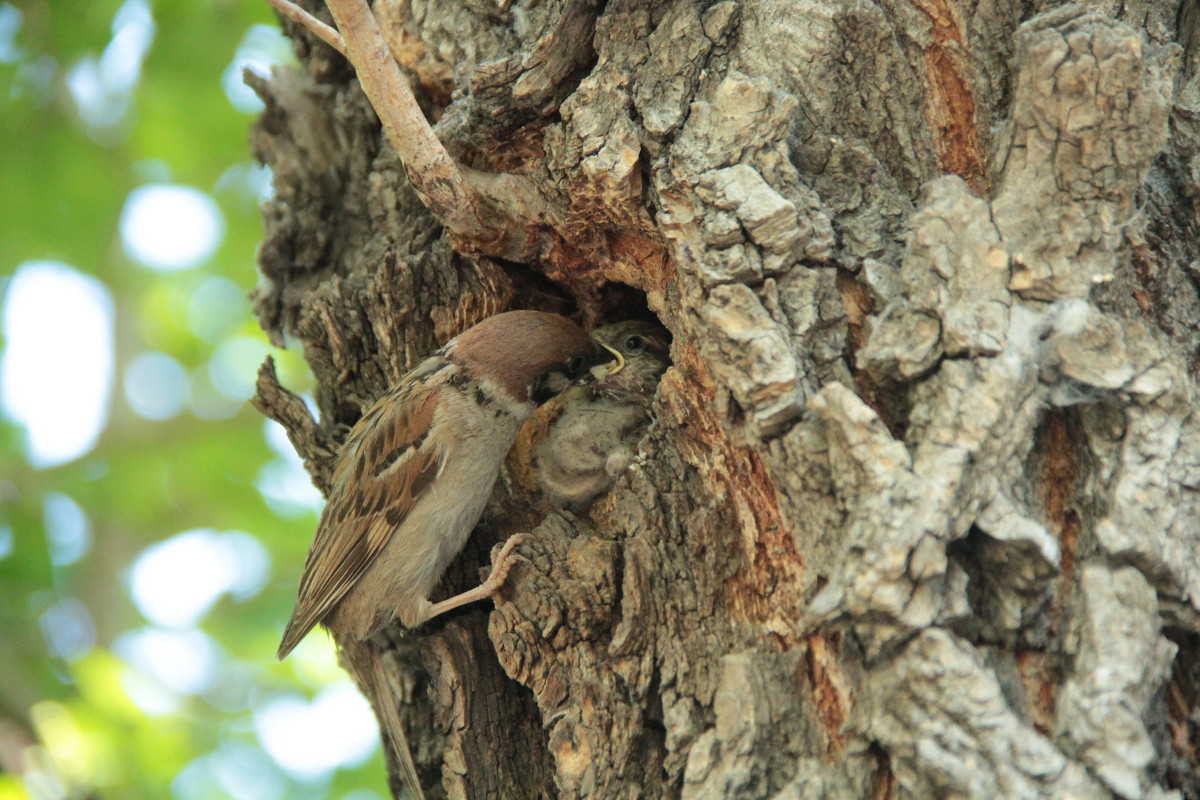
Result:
[{"x": 502, "y": 562}]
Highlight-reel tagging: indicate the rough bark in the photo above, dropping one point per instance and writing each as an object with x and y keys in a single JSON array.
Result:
[{"x": 918, "y": 516}]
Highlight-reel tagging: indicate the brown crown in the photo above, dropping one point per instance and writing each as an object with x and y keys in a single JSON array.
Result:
[{"x": 516, "y": 348}]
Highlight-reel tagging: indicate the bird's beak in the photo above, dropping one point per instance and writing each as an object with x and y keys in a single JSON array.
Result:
[{"x": 620, "y": 359}]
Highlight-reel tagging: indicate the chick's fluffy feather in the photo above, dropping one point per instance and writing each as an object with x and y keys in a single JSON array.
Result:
[{"x": 595, "y": 438}]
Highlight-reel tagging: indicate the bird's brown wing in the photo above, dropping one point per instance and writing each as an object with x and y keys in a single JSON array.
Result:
[{"x": 387, "y": 462}]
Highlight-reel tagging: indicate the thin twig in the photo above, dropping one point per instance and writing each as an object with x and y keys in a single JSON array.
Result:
[
  {"x": 482, "y": 212},
  {"x": 432, "y": 172},
  {"x": 301, "y": 17}
]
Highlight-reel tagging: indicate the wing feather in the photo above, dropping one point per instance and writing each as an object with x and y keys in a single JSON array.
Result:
[{"x": 386, "y": 464}]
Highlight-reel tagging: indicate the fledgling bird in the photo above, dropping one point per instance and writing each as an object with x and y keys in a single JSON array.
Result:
[
  {"x": 412, "y": 480},
  {"x": 596, "y": 437}
]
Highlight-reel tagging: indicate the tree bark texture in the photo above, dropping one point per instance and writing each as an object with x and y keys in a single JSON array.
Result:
[{"x": 918, "y": 515}]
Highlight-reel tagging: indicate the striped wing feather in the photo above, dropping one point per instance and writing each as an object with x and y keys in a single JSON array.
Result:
[{"x": 385, "y": 465}]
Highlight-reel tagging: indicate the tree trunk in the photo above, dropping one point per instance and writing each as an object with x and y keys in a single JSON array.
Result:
[{"x": 918, "y": 515}]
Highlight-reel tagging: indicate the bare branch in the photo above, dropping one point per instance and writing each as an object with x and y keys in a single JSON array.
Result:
[
  {"x": 432, "y": 171},
  {"x": 497, "y": 215},
  {"x": 301, "y": 17},
  {"x": 286, "y": 408}
]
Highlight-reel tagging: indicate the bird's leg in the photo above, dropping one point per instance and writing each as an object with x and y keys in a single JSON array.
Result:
[{"x": 501, "y": 564}]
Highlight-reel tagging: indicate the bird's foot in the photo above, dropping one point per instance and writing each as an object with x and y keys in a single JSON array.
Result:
[
  {"x": 503, "y": 560},
  {"x": 502, "y": 563}
]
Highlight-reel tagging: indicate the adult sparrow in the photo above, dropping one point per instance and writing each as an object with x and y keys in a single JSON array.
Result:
[
  {"x": 595, "y": 438},
  {"x": 412, "y": 480}
]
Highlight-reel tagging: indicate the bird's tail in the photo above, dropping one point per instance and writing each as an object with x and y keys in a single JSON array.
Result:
[{"x": 366, "y": 661}]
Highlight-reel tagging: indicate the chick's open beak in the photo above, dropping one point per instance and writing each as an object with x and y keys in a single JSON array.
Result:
[{"x": 606, "y": 370}]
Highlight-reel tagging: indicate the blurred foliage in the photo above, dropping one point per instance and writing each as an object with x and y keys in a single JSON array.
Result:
[{"x": 89, "y": 718}]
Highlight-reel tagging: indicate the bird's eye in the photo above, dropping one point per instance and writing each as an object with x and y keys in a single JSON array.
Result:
[
  {"x": 634, "y": 344},
  {"x": 576, "y": 366}
]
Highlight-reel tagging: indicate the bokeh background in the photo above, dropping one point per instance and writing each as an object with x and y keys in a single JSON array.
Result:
[{"x": 152, "y": 524}]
